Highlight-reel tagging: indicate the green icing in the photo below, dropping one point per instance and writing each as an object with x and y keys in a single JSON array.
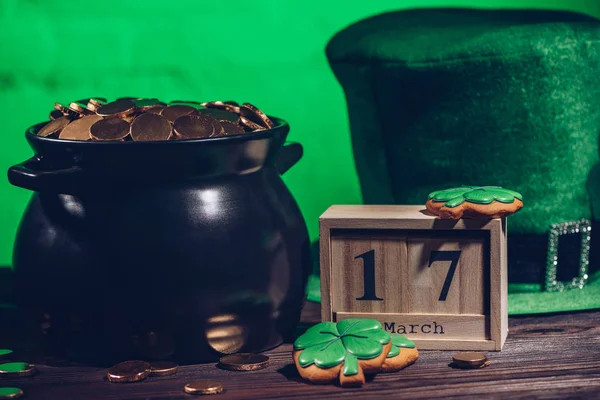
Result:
[
  {"x": 328, "y": 344},
  {"x": 14, "y": 367},
  {"x": 350, "y": 365},
  {"x": 474, "y": 194},
  {"x": 399, "y": 341},
  {"x": 5, "y": 352},
  {"x": 6, "y": 392}
]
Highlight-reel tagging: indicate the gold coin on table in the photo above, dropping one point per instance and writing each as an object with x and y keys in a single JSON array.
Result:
[
  {"x": 10, "y": 393},
  {"x": 128, "y": 371},
  {"x": 250, "y": 124},
  {"x": 469, "y": 359},
  {"x": 256, "y": 115},
  {"x": 173, "y": 112},
  {"x": 14, "y": 369},
  {"x": 203, "y": 387},
  {"x": 118, "y": 108},
  {"x": 244, "y": 362},
  {"x": 163, "y": 368},
  {"x": 80, "y": 128},
  {"x": 196, "y": 127},
  {"x": 110, "y": 129},
  {"x": 150, "y": 126},
  {"x": 53, "y": 127}
]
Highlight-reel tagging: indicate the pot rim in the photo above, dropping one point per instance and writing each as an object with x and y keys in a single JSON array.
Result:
[{"x": 281, "y": 126}]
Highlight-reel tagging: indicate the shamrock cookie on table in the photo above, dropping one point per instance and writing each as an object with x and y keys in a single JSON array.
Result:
[
  {"x": 402, "y": 354},
  {"x": 346, "y": 351},
  {"x": 476, "y": 202}
]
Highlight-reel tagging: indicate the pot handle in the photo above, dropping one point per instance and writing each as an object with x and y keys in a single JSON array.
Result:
[
  {"x": 31, "y": 175},
  {"x": 288, "y": 156}
]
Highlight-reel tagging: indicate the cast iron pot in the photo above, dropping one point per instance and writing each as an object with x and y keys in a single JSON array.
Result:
[{"x": 175, "y": 249}]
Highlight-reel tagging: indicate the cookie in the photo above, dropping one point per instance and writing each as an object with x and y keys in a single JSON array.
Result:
[
  {"x": 475, "y": 202},
  {"x": 402, "y": 354},
  {"x": 342, "y": 352}
]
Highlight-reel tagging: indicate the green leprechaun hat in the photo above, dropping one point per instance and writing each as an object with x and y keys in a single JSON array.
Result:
[{"x": 440, "y": 98}]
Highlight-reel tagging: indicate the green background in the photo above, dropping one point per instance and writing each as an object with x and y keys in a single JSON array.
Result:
[{"x": 267, "y": 52}]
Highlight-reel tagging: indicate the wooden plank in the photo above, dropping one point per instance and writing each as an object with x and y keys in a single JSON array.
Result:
[
  {"x": 325, "y": 271},
  {"x": 454, "y": 284},
  {"x": 393, "y": 217},
  {"x": 383, "y": 257},
  {"x": 429, "y": 326},
  {"x": 545, "y": 356},
  {"x": 504, "y": 286},
  {"x": 455, "y": 345},
  {"x": 496, "y": 294}
]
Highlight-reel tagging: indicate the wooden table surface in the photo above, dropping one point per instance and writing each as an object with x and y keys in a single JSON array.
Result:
[{"x": 555, "y": 356}]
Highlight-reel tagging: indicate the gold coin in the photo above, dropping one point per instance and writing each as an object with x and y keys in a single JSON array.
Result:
[
  {"x": 80, "y": 128},
  {"x": 53, "y": 127},
  {"x": 251, "y": 125},
  {"x": 94, "y": 104},
  {"x": 14, "y": 369},
  {"x": 255, "y": 115},
  {"x": 163, "y": 368},
  {"x": 79, "y": 109},
  {"x": 128, "y": 371},
  {"x": 469, "y": 359},
  {"x": 155, "y": 109},
  {"x": 150, "y": 127},
  {"x": 55, "y": 114},
  {"x": 185, "y": 102},
  {"x": 230, "y": 128},
  {"x": 144, "y": 104},
  {"x": 10, "y": 393},
  {"x": 173, "y": 112},
  {"x": 64, "y": 110},
  {"x": 230, "y": 106},
  {"x": 110, "y": 129},
  {"x": 203, "y": 387},
  {"x": 196, "y": 127},
  {"x": 244, "y": 362},
  {"x": 119, "y": 108},
  {"x": 220, "y": 115}
]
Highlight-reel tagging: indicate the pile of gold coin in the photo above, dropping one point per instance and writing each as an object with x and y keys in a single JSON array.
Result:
[{"x": 139, "y": 119}]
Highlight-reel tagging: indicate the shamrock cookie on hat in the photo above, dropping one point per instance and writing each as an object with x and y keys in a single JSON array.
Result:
[
  {"x": 402, "y": 354},
  {"x": 476, "y": 202},
  {"x": 344, "y": 351}
]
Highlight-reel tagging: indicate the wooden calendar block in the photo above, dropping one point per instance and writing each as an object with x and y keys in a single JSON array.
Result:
[{"x": 442, "y": 283}]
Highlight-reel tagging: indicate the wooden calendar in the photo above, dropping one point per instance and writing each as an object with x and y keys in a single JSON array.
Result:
[{"x": 442, "y": 283}]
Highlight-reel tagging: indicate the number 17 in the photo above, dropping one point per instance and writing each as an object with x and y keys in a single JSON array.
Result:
[{"x": 447, "y": 255}]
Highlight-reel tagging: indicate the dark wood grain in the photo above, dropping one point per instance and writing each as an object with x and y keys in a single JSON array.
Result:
[{"x": 556, "y": 356}]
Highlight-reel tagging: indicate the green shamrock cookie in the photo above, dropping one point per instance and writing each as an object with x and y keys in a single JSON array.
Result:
[
  {"x": 347, "y": 349},
  {"x": 402, "y": 354},
  {"x": 480, "y": 202}
]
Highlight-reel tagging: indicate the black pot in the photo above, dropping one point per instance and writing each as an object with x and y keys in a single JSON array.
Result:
[{"x": 176, "y": 249}]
